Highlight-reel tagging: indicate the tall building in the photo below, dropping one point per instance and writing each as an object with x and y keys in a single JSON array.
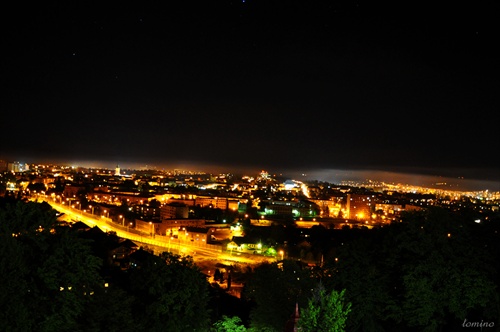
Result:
[
  {"x": 17, "y": 166},
  {"x": 117, "y": 170},
  {"x": 359, "y": 206}
]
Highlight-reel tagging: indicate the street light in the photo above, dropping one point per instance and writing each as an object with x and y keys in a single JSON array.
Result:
[{"x": 282, "y": 253}]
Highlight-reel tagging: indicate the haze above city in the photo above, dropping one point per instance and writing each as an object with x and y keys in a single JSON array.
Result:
[{"x": 327, "y": 91}]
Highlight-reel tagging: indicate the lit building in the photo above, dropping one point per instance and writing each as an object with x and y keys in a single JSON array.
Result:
[
  {"x": 222, "y": 203},
  {"x": 330, "y": 207},
  {"x": 174, "y": 210},
  {"x": 359, "y": 206},
  {"x": 17, "y": 166}
]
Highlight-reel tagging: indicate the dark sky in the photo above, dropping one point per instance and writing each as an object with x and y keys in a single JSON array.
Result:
[{"x": 259, "y": 84}]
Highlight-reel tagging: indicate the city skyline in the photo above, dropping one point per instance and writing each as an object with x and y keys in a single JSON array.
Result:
[
  {"x": 321, "y": 89},
  {"x": 357, "y": 178}
]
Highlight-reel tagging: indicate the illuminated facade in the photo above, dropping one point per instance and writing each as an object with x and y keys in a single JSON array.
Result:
[
  {"x": 330, "y": 207},
  {"x": 222, "y": 203},
  {"x": 17, "y": 166},
  {"x": 359, "y": 207},
  {"x": 174, "y": 210}
]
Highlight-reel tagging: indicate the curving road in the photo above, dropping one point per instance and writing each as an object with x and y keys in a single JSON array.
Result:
[{"x": 199, "y": 252}]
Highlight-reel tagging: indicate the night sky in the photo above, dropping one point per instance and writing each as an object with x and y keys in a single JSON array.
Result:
[{"x": 276, "y": 85}]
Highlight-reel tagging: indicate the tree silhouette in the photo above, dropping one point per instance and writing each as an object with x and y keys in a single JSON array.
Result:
[
  {"x": 430, "y": 271},
  {"x": 325, "y": 312},
  {"x": 275, "y": 290},
  {"x": 229, "y": 324},
  {"x": 171, "y": 294},
  {"x": 109, "y": 310},
  {"x": 48, "y": 273}
]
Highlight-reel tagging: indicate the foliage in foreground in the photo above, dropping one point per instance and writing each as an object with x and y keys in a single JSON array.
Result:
[
  {"x": 52, "y": 281},
  {"x": 325, "y": 312},
  {"x": 429, "y": 272},
  {"x": 229, "y": 324},
  {"x": 48, "y": 274}
]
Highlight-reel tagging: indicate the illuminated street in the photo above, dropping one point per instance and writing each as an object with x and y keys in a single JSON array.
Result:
[{"x": 199, "y": 252}]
